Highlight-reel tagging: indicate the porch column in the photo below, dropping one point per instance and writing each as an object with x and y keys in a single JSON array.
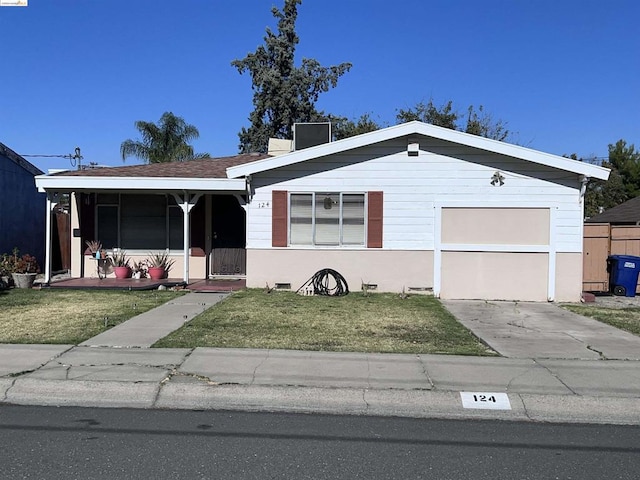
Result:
[
  {"x": 186, "y": 241},
  {"x": 52, "y": 201},
  {"x": 186, "y": 204}
]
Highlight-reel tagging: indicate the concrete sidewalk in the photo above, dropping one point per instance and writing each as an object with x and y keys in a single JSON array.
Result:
[
  {"x": 554, "y": 369},
  {"x": 590, "y": 391}
]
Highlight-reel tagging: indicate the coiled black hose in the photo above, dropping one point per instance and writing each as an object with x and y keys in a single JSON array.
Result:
[{"x": 321, "y": 281}]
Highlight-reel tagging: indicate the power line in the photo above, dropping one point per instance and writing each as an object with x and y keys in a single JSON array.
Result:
[{"x": 76, "y": 158}]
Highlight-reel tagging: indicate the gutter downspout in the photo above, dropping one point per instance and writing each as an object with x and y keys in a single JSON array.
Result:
[{"x": 584, "y": 180}]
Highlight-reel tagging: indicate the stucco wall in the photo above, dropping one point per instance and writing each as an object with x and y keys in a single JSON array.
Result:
[{"x": 391, "y": 271}]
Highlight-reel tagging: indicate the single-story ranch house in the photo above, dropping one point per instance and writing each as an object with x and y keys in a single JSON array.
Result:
[{"x": 413, "y": 206}]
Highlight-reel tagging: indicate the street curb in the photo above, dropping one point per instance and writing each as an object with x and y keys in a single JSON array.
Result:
[{"x": 193, "y": 395}]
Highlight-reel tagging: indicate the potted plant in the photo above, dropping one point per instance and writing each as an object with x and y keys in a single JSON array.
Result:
[
  {"x": 140, "y": 269},
  {"x": 159, "y": 265},
  {"x": 95, "y": 248},
  {"x": 6, "y": 269},
  {"x": 120, "y": 263},
  {"x": 24, "y": 269}
]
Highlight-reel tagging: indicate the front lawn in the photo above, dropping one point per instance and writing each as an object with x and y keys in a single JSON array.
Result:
[
  {"x": 623, "y": 318},
  {"x": 355, "y": 323},
  {"x": 69, "y": 316}
]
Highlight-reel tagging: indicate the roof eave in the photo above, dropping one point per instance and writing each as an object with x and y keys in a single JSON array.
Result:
[{"x": 74, "y": 183}]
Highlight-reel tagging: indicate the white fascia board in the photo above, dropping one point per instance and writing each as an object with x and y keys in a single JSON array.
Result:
[
  {"x": 420, "y": 128},
  {"x": 74, "y": 183},
  {"x": 515, "y": 151}
]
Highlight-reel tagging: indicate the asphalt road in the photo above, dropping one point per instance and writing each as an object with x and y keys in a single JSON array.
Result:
[{"x": 83, "y": 443}]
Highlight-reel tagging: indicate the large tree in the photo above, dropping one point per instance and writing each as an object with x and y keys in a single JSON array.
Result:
[
  {"x": 168, "y": 141},
  {"x": 283, "y": 92}
]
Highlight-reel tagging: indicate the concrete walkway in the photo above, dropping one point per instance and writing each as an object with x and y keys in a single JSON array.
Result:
[
  {"x": 543, "y": 330},
  {"x": 146, "y": 329}
]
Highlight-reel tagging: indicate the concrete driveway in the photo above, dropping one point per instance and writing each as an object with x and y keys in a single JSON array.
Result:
[{"x": 542, "y": 330}]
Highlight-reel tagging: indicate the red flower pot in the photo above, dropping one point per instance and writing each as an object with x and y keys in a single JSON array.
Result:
[
  {"x": 156, "y": 273},
  {"x": 122, "y": 272}
]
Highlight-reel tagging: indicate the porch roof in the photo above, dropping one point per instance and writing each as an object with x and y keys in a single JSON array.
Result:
[{"x": 207, "y": 174}]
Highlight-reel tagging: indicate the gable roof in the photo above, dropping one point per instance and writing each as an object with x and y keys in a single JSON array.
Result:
[
  {"x": 18, "y": 160},
  {"x": 420, "y": 128},
  {"x": 202, "y": 174},
  {"x": 627, "y": 212}
]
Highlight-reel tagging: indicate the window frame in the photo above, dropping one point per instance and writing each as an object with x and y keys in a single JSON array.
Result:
[
  {"x": 169, "y": 204},
  {"x": 340, "y": 243}
]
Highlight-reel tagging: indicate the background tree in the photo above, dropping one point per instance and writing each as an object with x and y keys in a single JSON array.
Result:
[
  {"x": 482, "y": 124},
  {"x": 623, "y": 180},
  {"x": 283, "y": 93},
  {"x": 478, "y": 122},
  {"x": 443, "y": 116},
  {"x": 168, "y": 141},
  {"x": 626, "y": 160},
  {"x": 342, "y": 127}
]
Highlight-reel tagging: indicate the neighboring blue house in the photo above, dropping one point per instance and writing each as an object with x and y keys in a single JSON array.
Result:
[{"x": 22, "y": 208}]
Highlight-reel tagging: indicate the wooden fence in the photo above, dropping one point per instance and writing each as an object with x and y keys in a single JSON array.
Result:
[{"x": 600, "y": 241}]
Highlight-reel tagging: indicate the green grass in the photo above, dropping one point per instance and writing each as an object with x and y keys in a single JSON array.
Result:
[
  {"x": 69, "y": 316},
  {"x": 623, "y": 318},
  {"x": 355, "y": 323}
]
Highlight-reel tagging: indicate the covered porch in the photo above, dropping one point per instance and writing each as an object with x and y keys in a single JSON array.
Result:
[{"x": 190, "y": 211}]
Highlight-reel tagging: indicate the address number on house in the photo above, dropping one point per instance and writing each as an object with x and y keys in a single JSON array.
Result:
[{"x": 485, "y": 400}]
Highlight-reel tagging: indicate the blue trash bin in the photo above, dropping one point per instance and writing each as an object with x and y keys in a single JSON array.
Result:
[{"x": 623, "y": 274}]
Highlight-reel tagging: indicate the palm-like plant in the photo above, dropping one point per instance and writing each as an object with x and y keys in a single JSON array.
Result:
[{"x": 168, "y": 141}]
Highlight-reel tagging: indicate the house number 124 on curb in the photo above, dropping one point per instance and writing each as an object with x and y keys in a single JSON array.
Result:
[{"x": 484, "y": 398}]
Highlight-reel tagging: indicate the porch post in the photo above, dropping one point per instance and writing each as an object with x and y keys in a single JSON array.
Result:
[
  {"x": 52, "y": 201},
  {"x": 185, "y": 216},
  {"x": 47, "y": 243},
  {"x": 186, "y": 204}
]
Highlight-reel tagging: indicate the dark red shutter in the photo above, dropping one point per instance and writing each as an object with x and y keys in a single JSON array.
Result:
[
  {"x": 279, "y": 218},
  {"x": 374, "y": 223}
]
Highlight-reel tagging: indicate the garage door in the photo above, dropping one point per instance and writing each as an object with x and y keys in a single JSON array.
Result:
[{"x": 494, "y": 253}]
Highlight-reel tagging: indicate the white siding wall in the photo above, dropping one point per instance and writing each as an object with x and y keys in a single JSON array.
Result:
[{"x": 442, "y": 173}]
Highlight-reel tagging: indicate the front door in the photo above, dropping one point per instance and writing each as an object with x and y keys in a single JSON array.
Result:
[{"x": 228, "y": 236}]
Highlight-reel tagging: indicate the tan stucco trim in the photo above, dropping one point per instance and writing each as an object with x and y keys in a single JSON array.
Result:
[
  {"x": 390, "y": 270},
  {"x": 568, "y": 277},
  {"x": 499, "y": 226},
  {"x": 77, "y": 249},
  {"x": 495, "y": 276}
]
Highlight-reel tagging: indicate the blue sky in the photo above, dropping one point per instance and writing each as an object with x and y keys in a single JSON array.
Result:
[{"x": 564, "y": 74}]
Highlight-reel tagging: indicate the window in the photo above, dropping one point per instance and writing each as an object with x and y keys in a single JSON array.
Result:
[
  {"x": 139, "y": 222},
  {"x": 327, "y": 219}
]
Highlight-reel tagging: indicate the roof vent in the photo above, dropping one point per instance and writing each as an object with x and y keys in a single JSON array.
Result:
[
  {"x": 307, "y": 135},
  {"x": 278, "y": 146}
]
